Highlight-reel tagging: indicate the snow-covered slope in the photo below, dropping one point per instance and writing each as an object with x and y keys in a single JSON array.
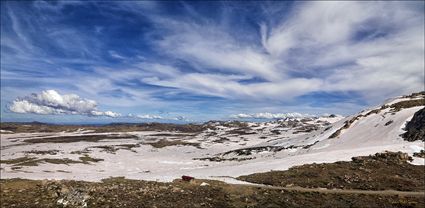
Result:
[
  {"x": 370, "y": 131},
  {"x": 222, "y": 151}
]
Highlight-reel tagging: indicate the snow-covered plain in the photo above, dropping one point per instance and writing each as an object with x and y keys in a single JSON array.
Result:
[{"x": 275, "y": 145}]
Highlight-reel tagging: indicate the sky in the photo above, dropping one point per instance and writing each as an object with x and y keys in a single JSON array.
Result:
[{"x": 177, "y": 61}]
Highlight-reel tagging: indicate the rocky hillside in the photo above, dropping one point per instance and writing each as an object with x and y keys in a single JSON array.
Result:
[
  {"x": 375, "y": 172},
  {"x": 373, "y": 130},
  {"x": 415, "y": 128}
]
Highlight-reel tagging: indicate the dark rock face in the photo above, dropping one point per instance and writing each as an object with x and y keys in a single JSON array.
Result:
[{"x": 416, "y": 127}]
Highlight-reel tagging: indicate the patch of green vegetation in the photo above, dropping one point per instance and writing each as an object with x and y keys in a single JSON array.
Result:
[
  {"x": 221, "y": 140},
  {"x": 305, "y": 129},
  {"x": 106, "y": 148},
  {"x": 388, "y": 123},
  {"x": 381, "y": 171},
  {"x": 32, "y": 161},
  {"x": 170, "y": 135},
  {"x": 80, "y": 152},
  {"x": 415, "y": 94},
  {"x": 25, "y": 161},
  {"x": 250, "y": 150},
  {"x": 234, "y": 124},
  {"x": 128, "y": 147},
  {"x": 43, "y": 152},
  {"x": 241, "y": 131},
  {"x": 221, "y": 159},
  {"x": 166, "y": 143},
  {"x": 408, "y": 104},
  {"x": 87, "y": 159},
  {"x": 84, "y": 138},
  {"x": 65, "y": 161}
]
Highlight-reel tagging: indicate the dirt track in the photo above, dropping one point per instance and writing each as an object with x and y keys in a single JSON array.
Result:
[{"x": 341, "y": 191}]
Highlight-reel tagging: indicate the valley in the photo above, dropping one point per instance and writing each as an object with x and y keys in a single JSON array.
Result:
[{"x": 273, "y": 156}]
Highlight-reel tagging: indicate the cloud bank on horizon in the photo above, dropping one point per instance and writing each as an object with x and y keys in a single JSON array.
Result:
[
  {"x": 207, "y": 60},
  {"x": 51, "y": 102},
  {"x": 267, "y": 115}
]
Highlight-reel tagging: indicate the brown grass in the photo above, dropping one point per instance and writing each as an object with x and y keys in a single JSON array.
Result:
[
  {"x": 166, "y": 143},
  {"x": 87, "y": 159},
  {"x": 43, "y": 152},
  {"x": 19, "y": 160},
  {"x": 84, "y": 138},
  {"x": 408, "y": 104},
  {"x": 32, "y": 161},
  {"x": 378, "y": 172},
  {"x": 33, "y": 127},
  {"x": 121, "y": 192},
  {"x": 114, "y": 148}
]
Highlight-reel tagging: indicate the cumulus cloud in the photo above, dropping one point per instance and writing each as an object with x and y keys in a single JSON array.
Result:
[
  {"x": 270, "y": 115},
  {"x": 106, "y": 113},
  {"x": 51, "y": 102}
]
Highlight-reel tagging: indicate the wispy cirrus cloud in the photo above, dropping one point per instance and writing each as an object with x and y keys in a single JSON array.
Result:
[
  {"x": 188, "y": 58},
  {"x": 319, "y": 47}
]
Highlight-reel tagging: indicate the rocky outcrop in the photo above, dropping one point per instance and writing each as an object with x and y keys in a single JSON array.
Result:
[{"x": 415, "y": 128}]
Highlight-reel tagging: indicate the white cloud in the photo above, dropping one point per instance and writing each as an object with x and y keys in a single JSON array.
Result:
[
  {"x": 318, "y": 23},
  {"x": 106, "y": 113},
  {"x": 24, "y": 106},
  {"x": 180, "y": 118},
  {"x": 229, "y": 86},
  {"x": 112, "y": 114},
  {"x": 114, "y": 54},
  {"x": 270, "y": 115},
  {"x": 148, "y": 116},
  {"x": 158, "y": 117},
  {"x": 211, "y": 46},
  {"x": 375, "y": 49},
  {"x": 313, "y": 48},
  {"x": 51, "y": 102}
]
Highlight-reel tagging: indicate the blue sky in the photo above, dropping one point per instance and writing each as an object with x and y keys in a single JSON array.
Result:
[{"x": 72, "y": 61}]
